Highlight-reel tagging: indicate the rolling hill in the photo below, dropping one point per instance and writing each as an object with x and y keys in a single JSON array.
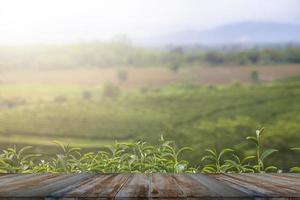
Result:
[{"x": 237, "y": 33}]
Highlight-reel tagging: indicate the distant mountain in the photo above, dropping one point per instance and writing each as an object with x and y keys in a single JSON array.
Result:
[{"x": 238, "y": 33}]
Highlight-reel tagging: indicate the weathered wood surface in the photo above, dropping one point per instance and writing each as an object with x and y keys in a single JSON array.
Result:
[{"x": 149, "y": 186}]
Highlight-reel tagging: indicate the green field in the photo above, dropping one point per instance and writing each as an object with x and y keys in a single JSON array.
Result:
[{"x": 192, "y": 115}]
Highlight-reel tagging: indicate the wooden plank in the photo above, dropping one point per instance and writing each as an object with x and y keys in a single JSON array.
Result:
[
  {"x": 280, "y": 185},
  {"x": 207, "y": 186},
  {"x": 292, "y": 175},
  {"x": 46, "y": 187},
  {"x": 191, "y": 186},
  {"x": 263, "y": 185},
  {"x": 100, "y": 186},
  {"x": 61, "y": 192},
  {"x": 151, "y": 186},
  {"x": 6, "y": 175},
  {"x": 137, "y": 187},
  {"x": 285, "y": 176},
  {"x": 4, "y": 179},
  {"x": 164, "y": 186},
  {"x": 80, "y": 188},
  {"x": 22, "y": 181}
]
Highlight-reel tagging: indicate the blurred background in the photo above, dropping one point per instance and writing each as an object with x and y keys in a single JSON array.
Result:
[{"x": 205, "y": 73}]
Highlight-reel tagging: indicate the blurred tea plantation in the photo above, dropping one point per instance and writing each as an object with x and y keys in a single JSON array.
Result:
[
  {"x": 91, "y": 95},
  {"x": 197, "y": 116}
]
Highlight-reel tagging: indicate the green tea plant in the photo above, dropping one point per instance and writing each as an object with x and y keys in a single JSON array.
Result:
[
  {"x": 66, "y": 161},
  {"x": 217, "y": 163},
  {"x": 295, "y": 169},
  {"x": 261, "y": 154},
  {"x": 167, "y": 154},
  {"x": 119, "y": 157},
  {"x": 240, "y": 165},
  {"x": 13, "y": 160},
  {"x": 137, "y": 157},
  {"x": 141, "y": 157}
]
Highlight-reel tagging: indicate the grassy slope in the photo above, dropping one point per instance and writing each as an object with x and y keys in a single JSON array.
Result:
[{"x": 196, "y": 116}]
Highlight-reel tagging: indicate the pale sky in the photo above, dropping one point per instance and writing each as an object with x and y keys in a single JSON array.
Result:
[{"x": 84, "y": 20}]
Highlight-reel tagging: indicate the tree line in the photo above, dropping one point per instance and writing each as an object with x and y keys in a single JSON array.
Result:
[{"x": 97, "y": 54}]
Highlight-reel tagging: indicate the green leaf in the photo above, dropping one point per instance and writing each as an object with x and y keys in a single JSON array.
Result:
[
  {"x": 60, "y": 144},
  {"x": 184, "y": 149},
  {"x": 212, "y": 151},
  {"x": 162, "y": 139},
  {"x": 253, "y": 139},
  {"x": 267, "y": 153},
  {"x": 271, "y": 168},
  {"x": 23, "y": 150},
  {"x": 225, "y": 168},
  {"x": 248, "y": 170},
  {"x": 208, "y": 157},
  {"x": 236, "y": 157},
  {"x": 232, "y": 163},
  {"x": 295, "y": 169},
  {"x": 30, "y": 156},
  {"x": 224, "y": 151},
  {"x": 248, "y": 158},
  {"x": 296, "y": 149},
  {"x": 208, "y": 169},
  {"x": 259, "y": 132}
]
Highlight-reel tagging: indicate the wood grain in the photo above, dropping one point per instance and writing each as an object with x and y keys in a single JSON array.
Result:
[{"x": 149, "y": 186}]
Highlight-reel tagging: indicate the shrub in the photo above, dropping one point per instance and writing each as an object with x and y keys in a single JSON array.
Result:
[
  {"x": 235, "y": 83},
  {"x": 175, "y": 67},
  {"x": 13, "y": 102},
  {"x": 86, "y": 94},
  {"x": 111, "y": 91},
  {"x": 255, "y": 76},
  {"x": 144, "y": 90},
  {"x": 60, "y": 99},
  {"x": 122, "y": 75},
  {"x": 214, "y": 57}
]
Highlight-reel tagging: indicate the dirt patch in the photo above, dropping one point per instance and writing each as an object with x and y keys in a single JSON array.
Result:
[{"x": 149, "y": 76}]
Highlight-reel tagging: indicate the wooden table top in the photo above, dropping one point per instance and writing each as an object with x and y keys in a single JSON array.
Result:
[{"x": 148, "y": 186}]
